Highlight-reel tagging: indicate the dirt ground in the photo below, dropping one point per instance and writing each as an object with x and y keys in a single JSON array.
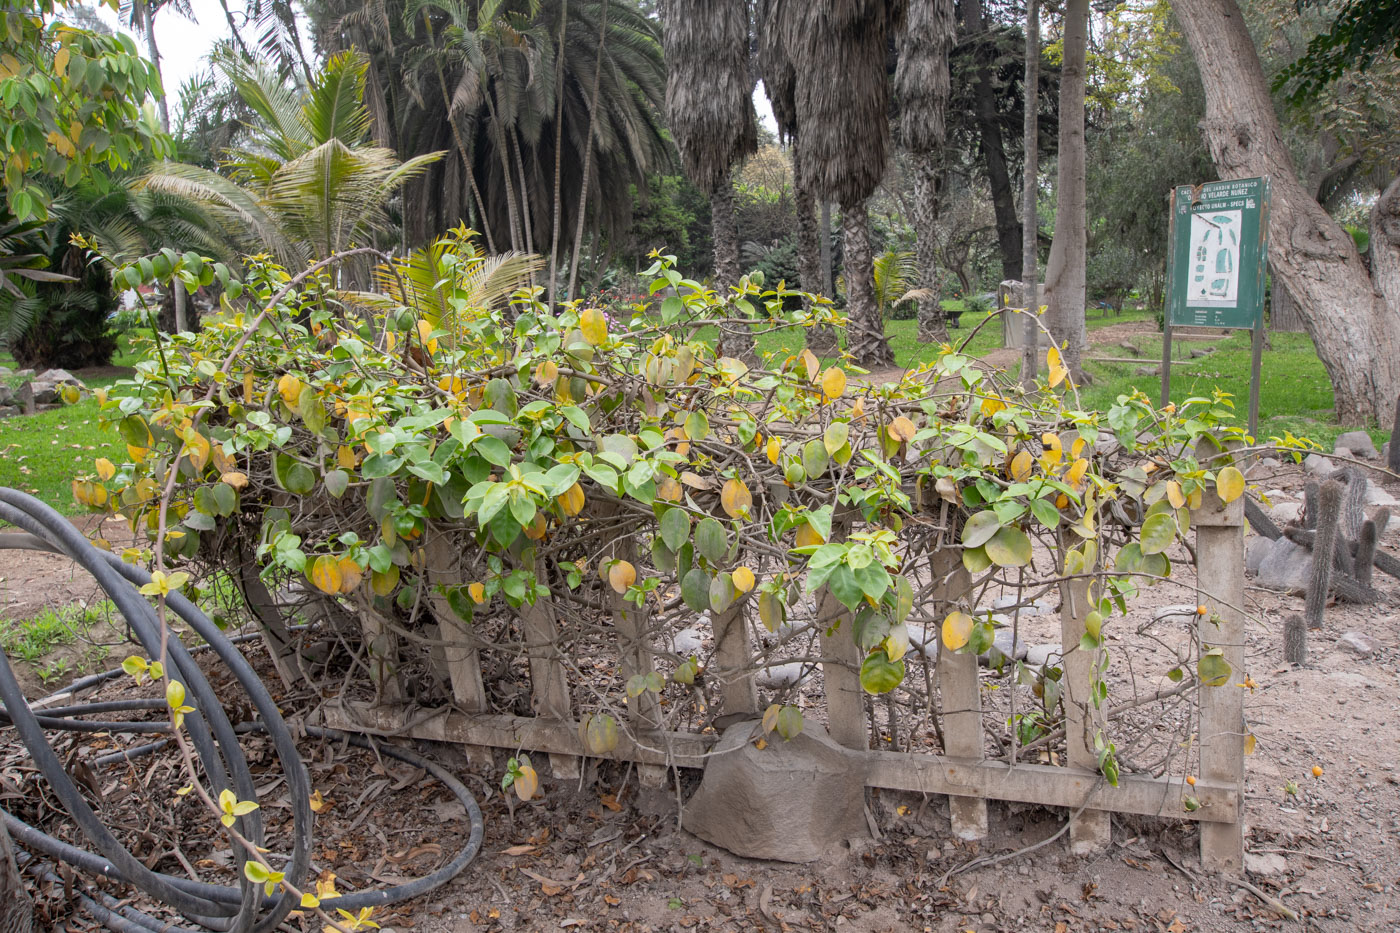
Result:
[{"x": 601, "y": 856}]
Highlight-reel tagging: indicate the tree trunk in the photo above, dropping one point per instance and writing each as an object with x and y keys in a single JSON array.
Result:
[
  {"x": 933, "y": 327},
  {"x": 1064, "y": 272},
  {"x": 1030, "y": 219},
  {"x": 821, "y": 340},
  {"x": 865, "y": 328},
  {"x": 1353, "y": 321},
  {"x": 994, "y": 151},
  {"x": 588, "y": 149},
  {"x": 828, "y": 279},
  {"x": 558, "y": 152},
  {"x": 1283, "y": 310},
  {"x": 735, "y": 339}
]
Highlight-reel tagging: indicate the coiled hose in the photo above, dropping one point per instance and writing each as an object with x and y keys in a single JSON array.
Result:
[{"x": 209, "y": 907}]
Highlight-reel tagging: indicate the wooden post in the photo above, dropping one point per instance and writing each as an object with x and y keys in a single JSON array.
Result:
[
  {"x": 1220, "y": 578},
  {"x": 960, "y": 695},
  {"x": 845, "y": 700},
  {"x": 733, "y": 659},
  {"x": 634, "y": 647},
  {"x": 460, "y": 651},
  {"x": 1091, "y": 830},
  {"x": 549, "y": 682}
]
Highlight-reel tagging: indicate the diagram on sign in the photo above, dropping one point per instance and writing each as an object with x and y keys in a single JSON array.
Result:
[{"x": 1215, "y": 259}]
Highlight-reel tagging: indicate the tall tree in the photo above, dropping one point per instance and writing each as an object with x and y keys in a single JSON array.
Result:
[
  {"x": 982, "y": 36},
  {"x": 1030, "y": 216},
  {"x": 842, "y": 98},
  {"x": 709, "y": 108},
  {"x": 922, "y": 82},
  {"x": 1352, "y": 314},
  {"x": 1064, "y": 270}
]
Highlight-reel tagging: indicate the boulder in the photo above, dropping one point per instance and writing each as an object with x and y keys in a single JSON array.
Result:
[
  {"x": 23, "y": 374},
  {"x": 1360, "y": 444},
  {"x": 9, "y": 411},
  {"x": 1147, "y": 370},
  {"x": 1279, "y": 564},
  {"x": 44, "y": 394},
  {"x": 790, "y": 801},
  {"x": 1375, "y": 495},
  {"x": 57, "y": 377},
  {"x": 778, "y": 676},
  {"x": 7, "y": 395},
  {"x": 1268, "y": 864},
  {"x": 1286, "y": 512},
  {"x": 24, "y": 397},
  {"x": 1002, "y": 649},
  {"x": 1038, "y": 655},
  {"x": 1318, "y": 465},
  {"x": 1358, "y": 643}
]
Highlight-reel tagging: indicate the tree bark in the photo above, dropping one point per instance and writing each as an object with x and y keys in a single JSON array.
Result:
[
  {"x": 1283, "y": 310},
  {"x": 558, "y": 152},
  {"x": 994, "y": 152},
  {"x": 1030, "y": 219},
  {"x": 828, "y": 279},
  {"x": 735, "y": 339},
  {"x": 1064, "y": 271},
  {"x": 588, "y": 150},
  {"x": 866, "y": 329},
  {"x": 933, "y": 326},
  {"x": 821, "y": 340},
  {"x": 1354, "y": 321}
]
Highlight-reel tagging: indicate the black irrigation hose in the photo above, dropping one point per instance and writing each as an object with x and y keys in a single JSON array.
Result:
[{"x": 241, "y": 909}]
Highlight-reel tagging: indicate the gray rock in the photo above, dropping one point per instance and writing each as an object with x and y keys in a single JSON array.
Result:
[
  {"x": 783, "y": 675},
  {"x": 1003, "y": 604},
  {"x": 25, "y": 397},
  {"x": 1106, "y": 443},
  {"x": 1174, "y": 612},
  {"x": 23, "y": 374},
  {"x": 9, "y": 411},
  {"x": 923, "y": 640},
  {"x": 1269, "y": 864},
  {"x": 1199, "y": 354},
  {"x": 1270, "y": 463},
  {"x": 7, "y": 395},
  {"x": 1002, "y": 649},
  {"x": 1358, "y": 643},
  {"x": 1343, "y": 452},
  {"x": 45, "y": 394},
  {"x": 1375, "y": 495},
  {"x": 1038, "y": 655},
  {"x": 688, "y": 641},
  {"x": 1280, "y": 564},
  {"x": 1285, "y": 512},
  {"x": 791, "y": 801},
  {"x": 1359, "y": 443},
  {"x": 1147, "y": 370},
  {"x": 1318, "y": 465},
  {"x": 54, "y": 377}
]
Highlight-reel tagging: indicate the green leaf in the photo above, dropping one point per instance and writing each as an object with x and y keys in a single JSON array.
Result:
[
  {"x": 1213, "y": 669},
  {"x": 835, "y": 437},
  {"x": 845, "y": 588},
  {"x": 697, "y": 426},
  {"x": 493, "y": 449},
  {"x": 975, "y": 559},
  {"x": 722, "y": 592},
  {"x": 878, "y": 674},
  {"x": 978, "y": 529},
  {"x": 1045, "y": 512},
  {"x": 1009, "y": 547},
  {"x": 711, "y": 540},
  {"x": 815, "y": 459},
  {"x": 695, "y": 590},
  {"x": 1158, "y": 533},
  {"x": 675, "y": 528}
]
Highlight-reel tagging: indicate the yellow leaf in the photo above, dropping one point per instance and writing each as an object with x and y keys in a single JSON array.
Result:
[
  {"x": 383, "y": 583},
  {"x": 197, "y": 449},
  {"x": 527, "y": 782},
  {"x": 834, "y": 382},
  {"x": 537, "y": 527},
  {"x": 1056, "y": 366},
  {"x": 137, "y": 454},
  {"x": 350, "y": 575},
  {"x": 60, "y": 61},
  {"x": 901, "y": 429},
  {"x": 621, "y": 575},
  {"x": 1053, "y": 451},
  {"x": 668, "y": 490},
  {"x": 345, "y": 458},
  {"x": 248, "y": 387},
  {"x": 595, "y": 329},
  {"x": 957, "y": 630},
  {"x": 735, "y": 498},
  {"x": 571, "y": 500},
  {"x": 990, "y": 406},
  {"x": 318, "y": 802},
  {"x": 289, "y": 387},
  {"x": 429, "y": 344},
  {"x": 774, "y": 449},
  {"x": 807, "y": 536},
  {"x": 1229, "y": 484},
  {"x": 810, "y": 364},
  {"x": 222, "y": 461},
  {"x": 325, "y": 574},
  {"x": 546, "y": 373},
  {"x": 1174, "y": 494},
  {"x": 743, "y": 579},
  {"x": 1021, "y": 466},
  {"x": 695, "y": 481},
  {"x": 105, "y": 469},
  {"x": 1075, "y": 474},
  {"x": 234, "y": 478},
  {"x": 477, "y": 592},
  {"x": 858, "y": 409}
]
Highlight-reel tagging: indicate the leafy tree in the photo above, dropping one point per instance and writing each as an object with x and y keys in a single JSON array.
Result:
[{"x": 1363, "y": 30}]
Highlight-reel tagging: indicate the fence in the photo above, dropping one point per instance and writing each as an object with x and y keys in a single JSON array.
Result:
[{"x": 547, "y": 639}]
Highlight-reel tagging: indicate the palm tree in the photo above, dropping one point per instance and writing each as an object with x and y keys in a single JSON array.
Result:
[
  {"x": 507, "y": 88},
  {"x": 922, "y": 81},
  {"x": 842, "y": 98},
  {"x": 307, "y": 183},
  {"x": 709, "y": 108}
]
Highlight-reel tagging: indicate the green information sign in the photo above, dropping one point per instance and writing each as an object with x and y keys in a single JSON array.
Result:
[{"x": 1219, "y": 245}]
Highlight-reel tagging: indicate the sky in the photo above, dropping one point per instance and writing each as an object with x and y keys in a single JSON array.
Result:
[{"x": 184, "y": 44}]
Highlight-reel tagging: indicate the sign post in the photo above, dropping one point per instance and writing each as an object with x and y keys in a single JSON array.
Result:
[{"x": 1219, "y": 244}]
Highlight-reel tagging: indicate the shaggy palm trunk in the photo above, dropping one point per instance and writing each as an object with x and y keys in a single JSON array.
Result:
[
  {"x": 1030, "y": 218},
  {"x": 1353, "y": 317},
  {"x": 588, "y": 151},
  {"x": 558, "y": 154},
  {"x": 825, "y": 234},
  {"x": 933, "y": 326},
  {"x": 527, "y": 214},
  {"x": 986, "y": 107},
  {"x": 1064, "y": 272},
  {"x": 866, "y": 330},
  {"x": 462, "y": 149}
]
